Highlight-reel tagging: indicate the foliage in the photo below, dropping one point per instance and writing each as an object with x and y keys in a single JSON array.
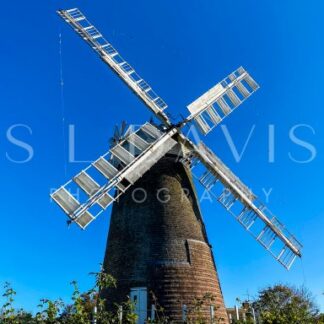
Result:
[
  {"x": 49, "y": 310},
  {"x": 84, "y": 308},
  {"x": 195, "y": 314},
  {"x": 7, "y": 310},
  {"x": 160, "y": 317},
  {"x": 282, "y": 304},
  {"x": 247, "y": 321}
]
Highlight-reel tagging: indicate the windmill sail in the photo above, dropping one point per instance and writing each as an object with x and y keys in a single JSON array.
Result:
[
  {"x": 232, "y": 194},
  {"x": 116, "y": 62},
  {"x": 218, "y": 102},
  {"x": 134, "y": 156}
]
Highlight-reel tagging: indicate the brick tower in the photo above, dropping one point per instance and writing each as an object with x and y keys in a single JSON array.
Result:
[{"x": 157, "y": 243}]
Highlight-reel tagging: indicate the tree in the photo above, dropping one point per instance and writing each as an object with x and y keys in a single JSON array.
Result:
[{"x": 283, "y": 304}]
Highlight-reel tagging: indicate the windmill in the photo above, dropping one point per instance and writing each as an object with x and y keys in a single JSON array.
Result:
[{"x": 163, "y": 246}]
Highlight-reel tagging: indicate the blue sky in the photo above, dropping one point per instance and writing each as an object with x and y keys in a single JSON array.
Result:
[{"x": 182, "y": 49}]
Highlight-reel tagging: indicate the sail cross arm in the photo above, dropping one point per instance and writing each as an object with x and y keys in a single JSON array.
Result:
[
  {"x": 116, "y": 62},
  {"x": 217, "y": 103},
  {"x": 232, "y": 194},
  {"x": 115, "y": 180}
]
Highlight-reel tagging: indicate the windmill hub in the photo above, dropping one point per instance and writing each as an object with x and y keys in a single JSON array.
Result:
[{"x": 157, "y": 246}]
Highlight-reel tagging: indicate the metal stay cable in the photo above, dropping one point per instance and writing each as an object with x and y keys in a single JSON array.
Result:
[{"x": 62, "y": 101}]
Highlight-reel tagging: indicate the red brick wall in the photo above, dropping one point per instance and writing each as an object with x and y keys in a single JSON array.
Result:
[{"x": 162, "y": 245}]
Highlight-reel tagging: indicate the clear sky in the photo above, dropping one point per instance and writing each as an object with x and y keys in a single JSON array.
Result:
[{"x": 181, "y": 48}]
